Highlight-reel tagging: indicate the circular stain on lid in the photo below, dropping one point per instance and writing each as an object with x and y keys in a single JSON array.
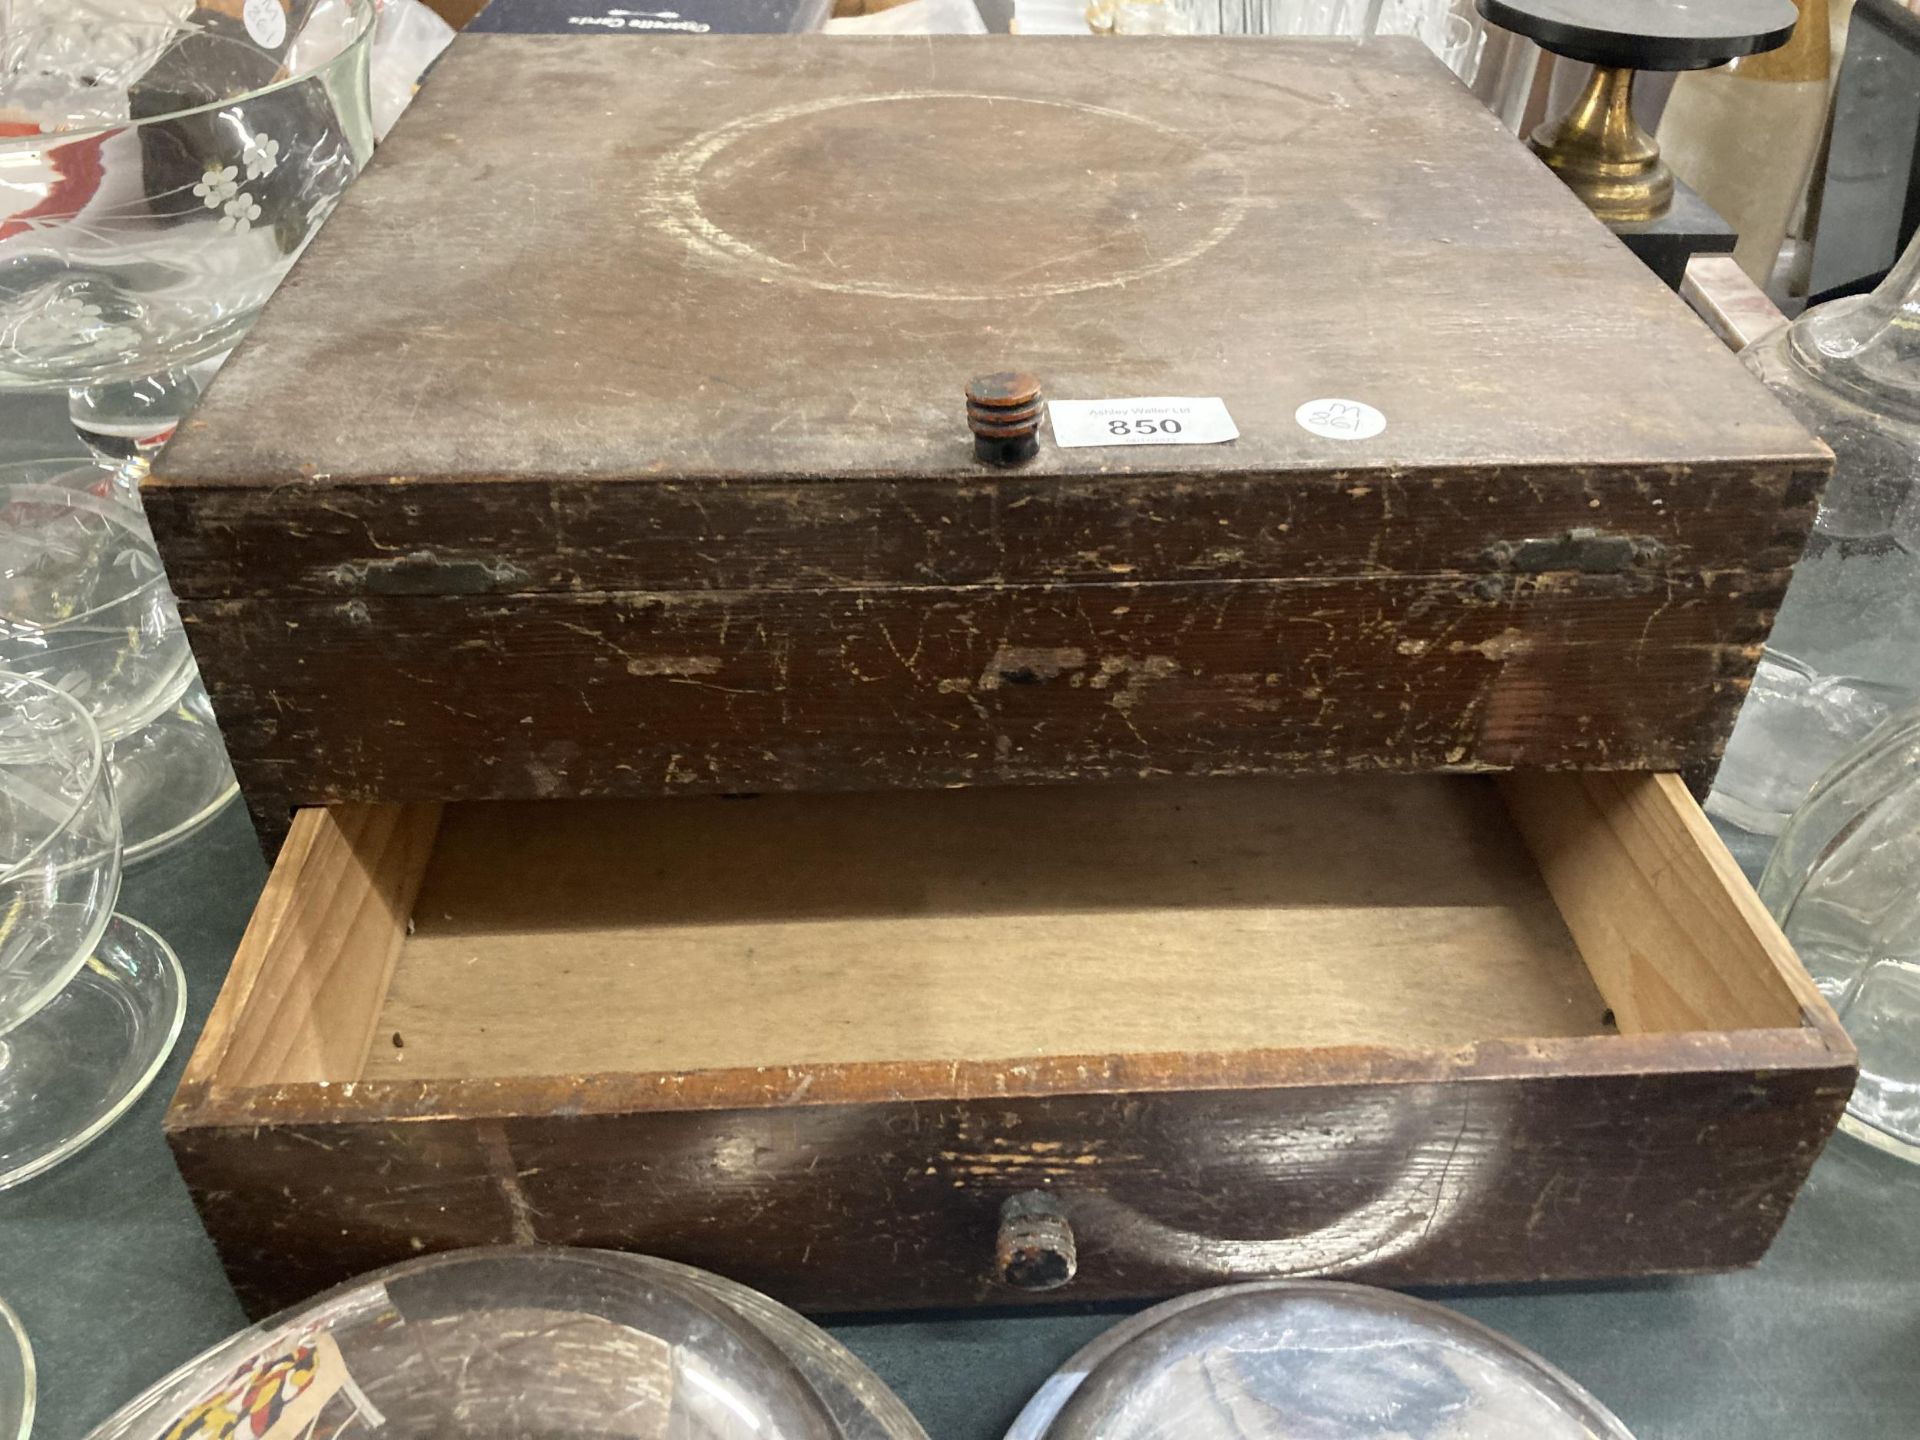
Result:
[{"x": 883, "y": 224}]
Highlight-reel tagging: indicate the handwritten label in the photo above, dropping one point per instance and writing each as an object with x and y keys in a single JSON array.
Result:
[
  {"x": 266, "y": 22},
  {"x": 1340, "y": 419},
  {"x": 1155, "y": 420}
]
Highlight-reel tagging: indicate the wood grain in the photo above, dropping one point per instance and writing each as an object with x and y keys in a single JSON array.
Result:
[
  {"x": 690, "y": 935},
  {"x": 306, "y": 983},
  {"x": 501, "y": 536},
  {"x": 1640, "y": 876}
]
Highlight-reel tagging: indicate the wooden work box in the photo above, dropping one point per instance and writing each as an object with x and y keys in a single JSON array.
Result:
[
  {"x": 610, "y": 440},
  {"x": 1429, "y": 1029}
]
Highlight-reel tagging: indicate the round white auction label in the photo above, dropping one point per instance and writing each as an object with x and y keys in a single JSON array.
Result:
[
  {"x": 266, "y": 22},
  {"x": 1340, "y": 419}
]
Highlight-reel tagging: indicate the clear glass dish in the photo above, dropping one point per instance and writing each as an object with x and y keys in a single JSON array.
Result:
[
  {"x": 1844, "y": 883},
  {"x": 858, "y": 1400},
  {"x": 59, "y": 846},
  {"x": 1308, "y": 1360},
  {"x": 533, "y": 1344},
  {"x": 168, "y": 176},
  {"x": 16, "y": 1377},
  {"x": 79, "y": 1062}
]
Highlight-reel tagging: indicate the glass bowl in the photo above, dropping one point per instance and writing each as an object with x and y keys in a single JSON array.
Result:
[
  {"x": 1309, "y": 1360},
  {"x": 59, "y": 846},
  {"x": 859, "y": 1401},
  {"x": 160, "y": 179},
  {"x": 529, "y": 1343}
]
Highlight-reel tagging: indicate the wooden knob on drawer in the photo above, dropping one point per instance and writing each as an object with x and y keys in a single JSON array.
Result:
[{"x": 1035, "y": 1250}]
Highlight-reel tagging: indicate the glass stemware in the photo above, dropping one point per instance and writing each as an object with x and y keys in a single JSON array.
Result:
[
  {"x": 59, "y": 843},
  {"x": 84, "y": 605},
  {"x": 156, "y": 182},
  {"x": 90, "y": 1002}
]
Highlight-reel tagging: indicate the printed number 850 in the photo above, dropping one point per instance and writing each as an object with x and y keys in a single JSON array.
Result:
[{"x": 1143, "y": 427}]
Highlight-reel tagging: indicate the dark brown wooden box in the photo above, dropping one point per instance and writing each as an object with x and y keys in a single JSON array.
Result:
[
  {"x": 1429, "y": 1029},
  {"x": 609, "y": 440}
]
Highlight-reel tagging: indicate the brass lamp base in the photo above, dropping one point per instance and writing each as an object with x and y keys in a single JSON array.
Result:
[{"x": 1604, "y": 155}]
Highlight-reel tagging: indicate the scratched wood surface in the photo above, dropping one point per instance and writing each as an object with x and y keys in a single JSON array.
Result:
[
  {"x": 556, "y": 695},
  {"x": 1449, "y": 1105},
  {"x": 556, "y": 368},
  {"x": 779, "y": 257},
  {"x": 1505, "y": 1163}
]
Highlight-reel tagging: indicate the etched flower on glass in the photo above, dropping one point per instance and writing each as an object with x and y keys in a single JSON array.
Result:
[
  {"x": 262, "y": 154},
  {"x": 241, "y": 212},
  {"x": 56, "y": 324},
  {"x": 217, "y": 186}
]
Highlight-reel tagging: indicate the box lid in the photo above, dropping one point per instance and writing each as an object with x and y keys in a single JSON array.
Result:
[{"x": 757, "y": 258}]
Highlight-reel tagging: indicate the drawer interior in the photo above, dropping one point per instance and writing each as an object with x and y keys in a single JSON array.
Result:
[{"x": 576, "y": 937}]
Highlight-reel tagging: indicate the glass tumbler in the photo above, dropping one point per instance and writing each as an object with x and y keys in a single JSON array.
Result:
[{"x": 1844, "y": 883}]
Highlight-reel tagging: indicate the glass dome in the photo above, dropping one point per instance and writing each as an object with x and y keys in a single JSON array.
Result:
[
  {"x": 528, "y": 1343},
  {"x": 1309, "y": 1360}
]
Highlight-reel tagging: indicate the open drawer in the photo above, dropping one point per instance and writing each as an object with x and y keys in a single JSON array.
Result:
[{"x": 932, "y": 1048}]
